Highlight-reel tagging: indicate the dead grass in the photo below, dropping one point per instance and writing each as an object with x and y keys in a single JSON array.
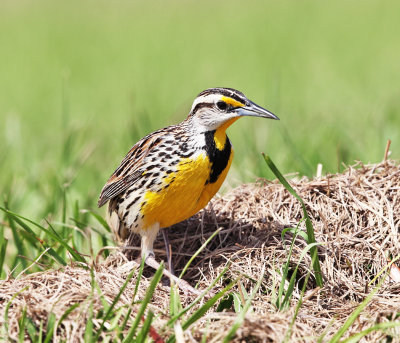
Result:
[{"x": 356, "y": 217}]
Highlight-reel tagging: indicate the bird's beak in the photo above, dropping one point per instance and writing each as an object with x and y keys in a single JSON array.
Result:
[{"x": 255, "y": 111}]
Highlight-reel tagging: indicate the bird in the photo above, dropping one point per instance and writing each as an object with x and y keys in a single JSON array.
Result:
[{"x": 172, "y": 173}]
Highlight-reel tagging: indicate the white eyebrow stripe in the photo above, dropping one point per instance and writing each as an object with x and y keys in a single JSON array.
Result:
[{"x": 210, "y": 98}]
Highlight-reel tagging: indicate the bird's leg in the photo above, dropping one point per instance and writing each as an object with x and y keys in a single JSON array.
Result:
[
  {"x": 168, "y": 250},
  {"x": 147, "y": 253}
]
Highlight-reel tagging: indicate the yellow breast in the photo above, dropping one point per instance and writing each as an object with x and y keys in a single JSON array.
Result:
[
  {"x": 212, "y": 188},
  {"x": 186, "y": 194}
]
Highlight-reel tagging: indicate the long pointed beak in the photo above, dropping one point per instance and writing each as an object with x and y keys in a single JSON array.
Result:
[{"x": 254, "y": 110}]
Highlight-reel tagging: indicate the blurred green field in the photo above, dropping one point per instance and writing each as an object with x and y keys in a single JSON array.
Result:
[{"x": 82, "y": 81}]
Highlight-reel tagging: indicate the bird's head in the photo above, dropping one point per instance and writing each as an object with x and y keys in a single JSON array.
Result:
[{"x": 216, "y": 107}]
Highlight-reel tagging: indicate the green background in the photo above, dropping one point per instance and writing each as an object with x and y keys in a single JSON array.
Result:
[{"x": 82, "y": 81}]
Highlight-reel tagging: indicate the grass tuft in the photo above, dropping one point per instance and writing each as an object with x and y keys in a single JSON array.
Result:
[{"x": 310, "y": 229}]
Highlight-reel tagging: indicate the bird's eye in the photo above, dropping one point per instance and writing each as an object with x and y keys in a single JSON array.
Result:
[{"x": 222, "y": 105}]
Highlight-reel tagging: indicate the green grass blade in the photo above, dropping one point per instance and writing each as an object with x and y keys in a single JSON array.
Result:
[
  {"x": 67, "y": 312},
  {"x": 354, "y": 315},
  {"x": 285, "y": 270},
  {"x": 116, "y": 319},
  {"x": 30, "y": 241},
  {"x": 295, "y": 231},
  {"x": 281, "y": 178},
  {"x": 142, "y": 334},
  {"x": 52, "y": 324},
  {"x": 145, "y": 302},
  {"x": 21, "y": 325},
  {"x": 237, "y": 304},
  {"x": 7, "y": 308},
  {"x": 45, "y": 245},
  {"x": 109, "y": 311},
  {"x": 202, "y": 310},
  {"x": 2, "y": 238},
  {"x": 240, "y": 318},
  {"x": 198, "y": 252},
  {"x": 53, "y": 230},
  {"x": 226, "y": 303},
  {"x": 392, "y": 261},
  {"x": 64, "y": 204},
  {"x": 76, "y": 215},
  {"x": 18, "y": 218},
  {"x": 17, "y": 241},
  {"x": 3, "y": 248},
  {"x": 50, "y": 328},
  {"x": 40, "y": 332},
  {"x": 88, "y": 335},
  {"x": 377, "y": 327},
  {"x": 289, "y": 292},
  {"x": 100, "y": 219},
  {"x": 175, "y": 305},
  {"x": 138, "y": 279},
  {"x": 201, "y": 296},
  {"x": 299, "y": 303},
  {"x": 32, "y": 330},
  {"x": 309, "y": 226}
]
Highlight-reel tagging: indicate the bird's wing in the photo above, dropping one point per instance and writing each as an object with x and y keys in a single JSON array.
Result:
[
  {"x": 116, "y": 186},
  {"x": 131, "y": 167}
]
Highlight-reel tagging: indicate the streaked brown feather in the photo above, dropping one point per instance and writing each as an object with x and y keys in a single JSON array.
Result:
[{"x": 131, "y": 167}]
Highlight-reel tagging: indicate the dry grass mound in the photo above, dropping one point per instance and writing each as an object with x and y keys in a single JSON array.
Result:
[{"x": 356, "y": 217}]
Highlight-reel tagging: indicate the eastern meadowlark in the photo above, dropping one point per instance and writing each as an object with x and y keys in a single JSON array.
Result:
[{"x": 173, "y": 173}]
